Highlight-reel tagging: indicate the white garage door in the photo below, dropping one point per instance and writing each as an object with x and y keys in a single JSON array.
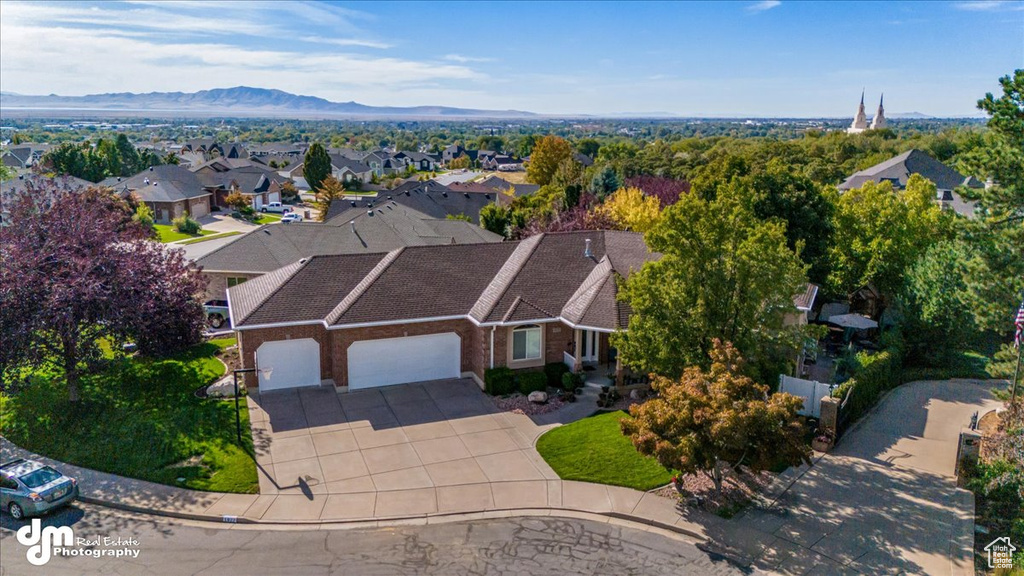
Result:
[
  {"x": 399, "y": 360},
  {"x": 274, "y": 197},
  {"x": 288, "y": 364}
]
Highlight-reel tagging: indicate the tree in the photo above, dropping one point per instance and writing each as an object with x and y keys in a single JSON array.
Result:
[
  {"x": 588, "y": 147},
  {"x": 604, "y": 183},
  {"x": 77, "y": 272},
  {"x": 330, "y": 190},
  {"x": 144, "y": 216},
  {"x": 289, "y": 193},
  {"x": 495, "y": 219},
  {"x": 631, "y": 209},
  {"x": 706, "y": 422},
  {"x": 317, "y": 166},
  {"x": 237, "y": 201},
  {"x": 490, "y": 142},
  {"x": 460, "y": 163},
  {"x": 724, "y": 274},
  {"x": 547, "y": 155},
  {"x": 880, "y": 232},
  {"x": 666, "y": 190},
  {"x": 580, "y": 217},
  {"x": 569, "y": 177}
]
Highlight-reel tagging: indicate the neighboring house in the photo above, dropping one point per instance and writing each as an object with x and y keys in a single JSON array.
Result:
[
  {"x": 236, "y": 150},
  {"x": 259, "y": 184},
  {"x": 451, "y": 152},
  {"x": 418, "y": 160},
  {"x": 506, "y": 164},
  {"x": 277, "y": 149},
  {"x": 431, "y": 198},
  {"x": 899, "y": 169},
  {"x": 503, "y": 190},
  {"x": 11, "y": 188},
  {"x": 583, "y": 159},
  {"x": 19, "y": 158},
  {"x": 431, "y": 312},
  {"x": 357, "y": 231},
  {"x": 804, "y": 303},
  {"x": 169, "y": 190},
  {"x": 348, "y": 170}
]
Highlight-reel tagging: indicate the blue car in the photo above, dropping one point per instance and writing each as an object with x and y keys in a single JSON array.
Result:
[{"x": 29, "y": 488}]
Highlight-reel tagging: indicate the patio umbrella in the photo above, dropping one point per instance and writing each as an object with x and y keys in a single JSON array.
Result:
[{"x": 855, "y": 321}]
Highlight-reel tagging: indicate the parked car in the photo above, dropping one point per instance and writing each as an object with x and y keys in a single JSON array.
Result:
[
  {"x": 276, "y": 207},
  {"x": 30, "y": 488},
  {"x": 291, "y": 217},
  {"x": 216, "y": 312}
]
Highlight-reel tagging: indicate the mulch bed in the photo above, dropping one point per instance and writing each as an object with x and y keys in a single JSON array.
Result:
[
  {"x": 518, "y": 404},
  {"x": 229, "y": 356},
  {"x": 737, "y": 491}
]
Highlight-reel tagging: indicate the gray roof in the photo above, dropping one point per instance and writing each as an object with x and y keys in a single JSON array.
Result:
[
  {"x": 339, "y": 161},
  {"x": 163, "y": 183},
  {"x": 543, "y": 277},
  {"x": 354, "y": 232},
  {"x": 12, "y": 187},
  {"x": 431, "y": 198}
]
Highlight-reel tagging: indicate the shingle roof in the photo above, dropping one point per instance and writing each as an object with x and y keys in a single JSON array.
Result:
[
  {"x": 163, "y": 183},
  {"x": 12, "y": 187},
  {"x": 898, "y": 170},
  {"x": 272, "y": 246},
  {"x": 543, "y": 277},
  {"x": 431, "y": 198},
  {"x": 339, "y": 161}
]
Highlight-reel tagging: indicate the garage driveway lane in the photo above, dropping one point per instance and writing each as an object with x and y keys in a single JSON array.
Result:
[{"x": 409, "y": 438}]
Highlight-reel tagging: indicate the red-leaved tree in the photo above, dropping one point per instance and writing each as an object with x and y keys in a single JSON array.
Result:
[
  {"x": 75, "y": 270},
  {"x": 666, "y": 190}
]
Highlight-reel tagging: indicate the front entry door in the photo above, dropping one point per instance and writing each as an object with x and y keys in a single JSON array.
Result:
[{"x": 588, "y": 352}]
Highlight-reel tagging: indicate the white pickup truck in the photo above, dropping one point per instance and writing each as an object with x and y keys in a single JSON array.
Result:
[{"x": 275, "y": 207}]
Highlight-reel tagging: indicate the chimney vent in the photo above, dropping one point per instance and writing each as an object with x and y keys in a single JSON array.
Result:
[
  {"x": 587, "y": 253},
  {"x": 369, "y": 213}
]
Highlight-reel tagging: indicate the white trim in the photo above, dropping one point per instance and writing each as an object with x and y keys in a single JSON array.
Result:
[
  {"x": 493, "y": 328},
  {"x": 521, "y": 322},
  {"x": 428, "y": 319},
  {"x": 207, "y": 271},
  {"x": 279, "y": 324},
  {"x": 231, "y": 317},
  {"x": 394, "y": 322}
]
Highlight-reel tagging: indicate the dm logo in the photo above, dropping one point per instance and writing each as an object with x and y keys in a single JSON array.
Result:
[{"x": 41, "y": 541}]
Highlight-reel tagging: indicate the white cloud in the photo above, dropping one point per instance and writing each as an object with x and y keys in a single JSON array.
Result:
[
  {"x": 763, "y": 5},
  {"x": 465, "y": 59},
  {"x": 346, "y": 42},
  {"x": 989, "y": 5}
]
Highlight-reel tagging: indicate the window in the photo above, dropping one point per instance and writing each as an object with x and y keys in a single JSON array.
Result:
[
  {"x": 8, "y": 483},
  {"x": 235, "y": 281},
  {"x": 526, "y": 342}
]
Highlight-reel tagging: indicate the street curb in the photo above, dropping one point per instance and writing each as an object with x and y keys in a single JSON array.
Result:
[{"x": 404, "y": 520}]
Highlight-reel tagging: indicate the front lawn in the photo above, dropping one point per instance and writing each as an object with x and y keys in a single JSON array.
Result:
[
  {"x": 139, "y": 418},
  {"x": 212, "y": 237},
  {"x": 595, "y": 450},
  {"x": 267, "y": 218},
  {"x": 168, "y": 233}
]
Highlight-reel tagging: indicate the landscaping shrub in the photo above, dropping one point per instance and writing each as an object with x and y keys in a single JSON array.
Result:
[
  {"x": 872, "y": 376},
  {"x": 554, "y": 372},
  {"x": 499, "y": 381},
  {"x": 571, "y": 381},
  {"x": 532, "y": 382},
  {"x": 187, "y": 225}
]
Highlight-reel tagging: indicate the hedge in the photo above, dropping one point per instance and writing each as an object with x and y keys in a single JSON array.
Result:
[
  {"x": 532, "y": 382},
  {"x": 554, "y": 371},
  {"x": 499, "y": 381},
  {"x": 873, "y": 375}
]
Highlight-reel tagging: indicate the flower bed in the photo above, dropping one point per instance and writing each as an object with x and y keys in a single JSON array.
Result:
[
  {"x": 737, "y": 491},
  {"x": 518, "y": 404}
]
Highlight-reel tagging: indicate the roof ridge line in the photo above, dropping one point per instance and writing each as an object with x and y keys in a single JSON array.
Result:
[
  {"x": 363, "y": 285},
  {"x": 288, "y": 278},
  {"x": 591, "y": 285},
  {"x": 513, "y": 270}
]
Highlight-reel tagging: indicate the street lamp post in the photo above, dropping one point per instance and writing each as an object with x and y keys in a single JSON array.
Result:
[{"x": 238, "y": 418}]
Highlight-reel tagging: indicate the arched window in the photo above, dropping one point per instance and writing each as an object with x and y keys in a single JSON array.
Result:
[{"x": 526, "y": 342}]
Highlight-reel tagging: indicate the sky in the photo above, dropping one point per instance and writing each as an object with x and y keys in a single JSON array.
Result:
[{"x": 758, "y": 58}]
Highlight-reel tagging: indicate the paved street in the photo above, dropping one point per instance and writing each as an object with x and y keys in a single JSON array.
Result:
[{"x": 541, "y": 545}]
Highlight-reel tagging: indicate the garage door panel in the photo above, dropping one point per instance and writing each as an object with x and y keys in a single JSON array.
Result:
[
  {"x": 288, "y": 364},
  {"x": 387, "y": 361}
]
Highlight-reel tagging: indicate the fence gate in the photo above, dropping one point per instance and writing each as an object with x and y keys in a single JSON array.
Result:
[{"x": 811, "y": 391}]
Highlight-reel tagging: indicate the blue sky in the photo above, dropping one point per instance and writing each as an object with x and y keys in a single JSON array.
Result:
[{"x": 765, "y": 58}]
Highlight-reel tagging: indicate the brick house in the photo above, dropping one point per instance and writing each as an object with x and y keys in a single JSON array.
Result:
[
  {"x": 432, "y": 312},
  {"x": 169, "y": 190}
]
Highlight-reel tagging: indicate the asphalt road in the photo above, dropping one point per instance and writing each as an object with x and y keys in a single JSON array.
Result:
[{"x": 528, "y": 545}]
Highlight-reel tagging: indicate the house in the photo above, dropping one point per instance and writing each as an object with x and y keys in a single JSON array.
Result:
[
  {"x": 583, "y": 159},
  {"x": 11, "y": 188},
  {"x": 451, "y": 152},
  {"x": 431, "y": 312},
  {"x": 357, "y": 231},
  {"x": 897, "y": 171},
  {"x": 347, "y": 170},
  {"x": 278, "y": 149},
  {"x": 420, "y": 161},
  {"x": 169, "y": 190},
  {"x": 431, "y": 198},
  {"x": 23, "y": 156},
  {"x": 260, "y": 185},
  {"x": 506, "y": 164},
  {"x": 504, "y": 190},
  {"x": 236, "y": 150}
]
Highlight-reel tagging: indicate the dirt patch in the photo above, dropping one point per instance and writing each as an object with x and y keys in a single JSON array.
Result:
[
  {"x": 229, "y": 356},
  {"x": 518, "y": 404},
  {"x": 738, "y": 489}
]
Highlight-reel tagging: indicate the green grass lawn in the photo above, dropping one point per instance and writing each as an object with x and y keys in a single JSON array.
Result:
[
  {"x": 595, "y": 450},
  {"x": 267, "y": 218},
  {"x": 139, "y": 418},
  {"x": 211, "y": 237},
  {"x": 167, "y": 233}
]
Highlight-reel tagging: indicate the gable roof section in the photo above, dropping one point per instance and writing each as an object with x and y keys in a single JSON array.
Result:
[
  {"x": 899, "y": 168},
  {"x": 164, "y": 183},
  {"x": 431, "y": 198}
]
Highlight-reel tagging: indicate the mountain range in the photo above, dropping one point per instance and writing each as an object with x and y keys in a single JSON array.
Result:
[{"x": 237, "y": 100}]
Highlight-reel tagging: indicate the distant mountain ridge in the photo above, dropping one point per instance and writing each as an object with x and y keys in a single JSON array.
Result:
[{"x": 242, "y": 99}]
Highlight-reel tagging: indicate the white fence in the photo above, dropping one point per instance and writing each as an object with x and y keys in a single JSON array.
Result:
[
  {"x": 569, "y": 360},
  {"x": 811, "y": 391}
]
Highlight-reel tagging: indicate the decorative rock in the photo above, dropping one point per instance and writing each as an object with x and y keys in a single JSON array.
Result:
[
  {"x": 538, "y": 397},
  {"x": 223, "y": 388},
  {"x": 634, "y": 393}
]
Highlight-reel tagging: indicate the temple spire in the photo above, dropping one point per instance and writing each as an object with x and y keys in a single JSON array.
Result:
[
  {"x": 879, "y": 120},
  {"x": 860, "y": 121}
]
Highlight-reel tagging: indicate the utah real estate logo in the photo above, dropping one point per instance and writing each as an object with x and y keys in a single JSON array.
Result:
[{"x": 1000, "y": 553}]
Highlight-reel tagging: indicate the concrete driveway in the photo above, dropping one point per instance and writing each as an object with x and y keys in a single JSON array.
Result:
[
  {"x": 884, "y": 501},
  {"x": 416, "y": 448}
]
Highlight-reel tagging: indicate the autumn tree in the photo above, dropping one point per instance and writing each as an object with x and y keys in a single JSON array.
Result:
[
  {"x": 330, "y": 190},
  {"x": 316, "y": 166},
  {"x": 880, "y": 232},
  {"x": 77, "y": 271},
  {"x": 724, "y": 274},
  {"x": 547, "y": 155},
  {"x": 460, "y": 163},
  {"x": 708, "y": 422},
  {"x": 666, "y": 190},
  {"x": 237, "y": 200},
  {"x": 631, "y": 209}
]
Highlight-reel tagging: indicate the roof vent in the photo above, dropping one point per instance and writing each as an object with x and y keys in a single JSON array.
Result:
[
  {"x": 466, "y": 194},
  {"x": 587, "y": 253},
  {"x": 145, "y": 180},
  {"x": 369, "y": 213},
  {"x": 353, "y": 203},
  {"x": 389, "y": 196},
  {"x": 407, "y": 193},
  {"x": 487, "y": 196},
  {"x": 155, "y": 183},
  {"x": 21, "y": 176},
  {"x": 303, "y": 260},
  {"x": 445, "y": 194},
  {"x": 150, "y": 168}
]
